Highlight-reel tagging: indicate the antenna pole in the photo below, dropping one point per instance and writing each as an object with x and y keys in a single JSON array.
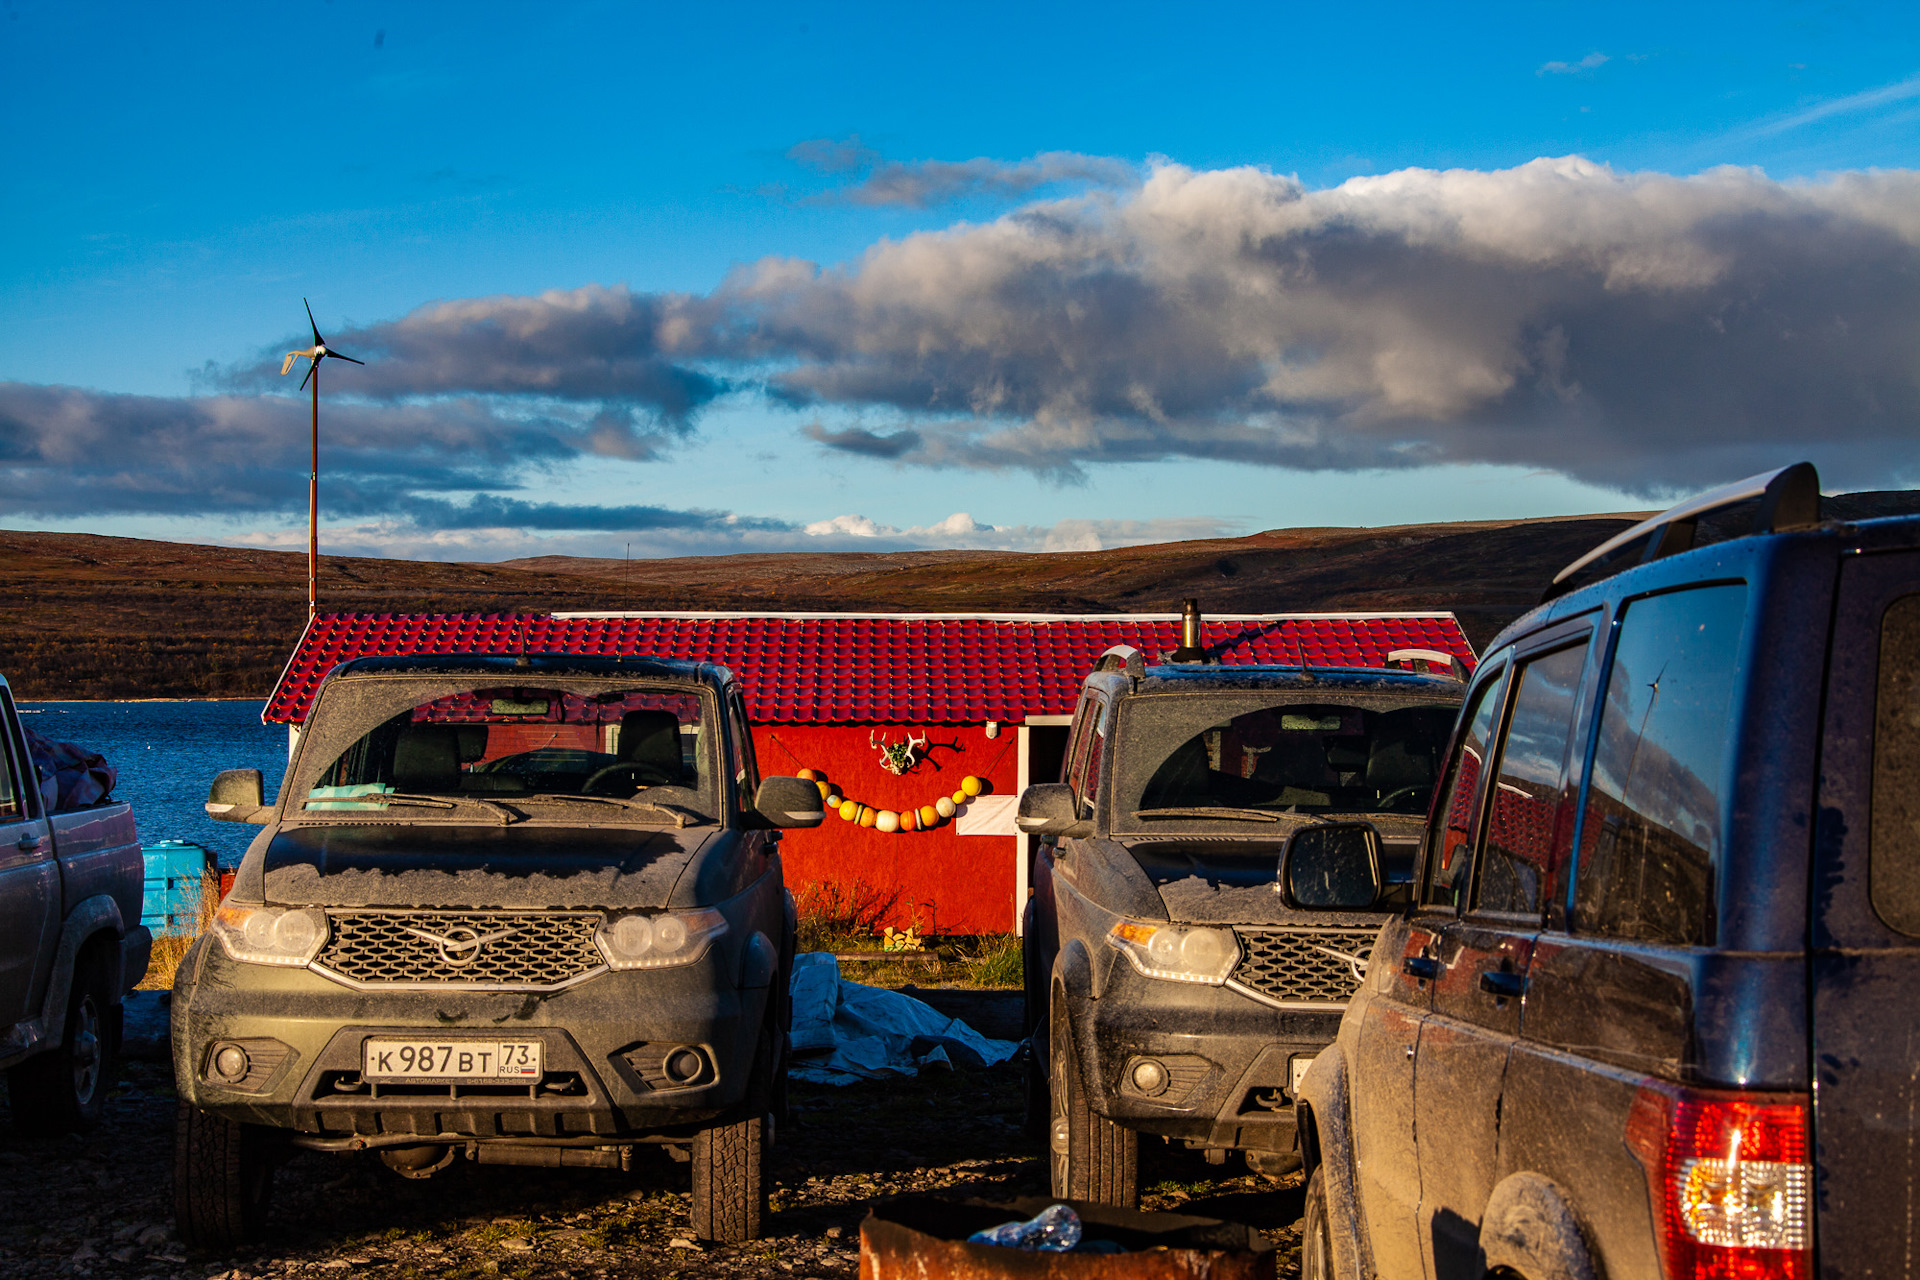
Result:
[{"x": 313, "y": 505}]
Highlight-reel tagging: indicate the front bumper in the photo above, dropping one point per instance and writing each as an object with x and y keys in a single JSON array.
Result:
[
  {"x": 604, "y": 1041},
  {"x": 1228, "y": 1061}
]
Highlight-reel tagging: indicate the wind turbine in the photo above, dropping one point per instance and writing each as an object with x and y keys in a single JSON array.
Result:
[{"x": 313, "y": 355}]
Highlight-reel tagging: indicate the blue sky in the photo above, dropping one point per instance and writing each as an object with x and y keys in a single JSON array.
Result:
[{"x": 1088, "y": 275}]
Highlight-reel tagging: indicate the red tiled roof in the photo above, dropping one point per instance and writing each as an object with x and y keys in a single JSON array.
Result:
[{"x": 870, "y": 668}]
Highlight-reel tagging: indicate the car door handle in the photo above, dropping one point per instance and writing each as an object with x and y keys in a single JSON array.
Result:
[
  {"x": 27, "y": 844},
  {"x": 1425, "y": 968},
  {"x": 1503, "y": 986}
]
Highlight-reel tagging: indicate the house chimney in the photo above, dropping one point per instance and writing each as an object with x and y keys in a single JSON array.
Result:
[{"x": 1190, "y": 649}]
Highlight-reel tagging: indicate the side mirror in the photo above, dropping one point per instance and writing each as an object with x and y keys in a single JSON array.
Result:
[
  {"x": 238, "y": 795},
  {"x": 1332, "y": 867},
  {"x": 1049, "y": 809},
  {"x": 788, "y": 802}
]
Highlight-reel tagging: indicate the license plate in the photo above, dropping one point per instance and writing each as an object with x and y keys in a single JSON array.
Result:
[
  {"x": 450, "y": 1059},
  {"x": 1298, "y": 1070}
]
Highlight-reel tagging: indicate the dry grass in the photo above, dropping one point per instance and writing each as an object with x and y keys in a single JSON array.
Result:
[
  {"x": 169, "y": 949},
  {"x": 841, "y": 915}
]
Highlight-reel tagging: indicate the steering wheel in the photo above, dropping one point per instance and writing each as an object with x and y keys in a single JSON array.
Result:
[
  {"x": 1400, "y": 793},
  {"x": 643, "y": 774}
]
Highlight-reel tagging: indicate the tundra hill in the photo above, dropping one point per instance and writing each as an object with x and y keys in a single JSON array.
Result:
[{"x": 85, "y": 616}]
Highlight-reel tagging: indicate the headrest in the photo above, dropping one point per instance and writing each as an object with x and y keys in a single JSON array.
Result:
[
  {"x": 426, "y": 757},
  {"x": 651, "y": 737}
]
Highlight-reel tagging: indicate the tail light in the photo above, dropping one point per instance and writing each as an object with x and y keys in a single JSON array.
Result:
[{"x": 1729, "y": 1180}]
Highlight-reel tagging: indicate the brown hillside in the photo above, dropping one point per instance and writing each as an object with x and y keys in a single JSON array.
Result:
[{"x": 83, "y": 616}]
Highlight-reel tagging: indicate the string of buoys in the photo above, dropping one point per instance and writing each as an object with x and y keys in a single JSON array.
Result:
[{"x": 924, "y": 818}]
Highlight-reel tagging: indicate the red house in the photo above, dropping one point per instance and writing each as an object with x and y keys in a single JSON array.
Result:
[{"x": 990, "y": 694}]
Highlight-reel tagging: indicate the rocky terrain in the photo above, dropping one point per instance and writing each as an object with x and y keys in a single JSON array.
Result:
[{"x": 100, "y": 1206}]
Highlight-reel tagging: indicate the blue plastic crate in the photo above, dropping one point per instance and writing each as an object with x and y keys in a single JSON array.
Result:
[{"x": 172, "y": 900}]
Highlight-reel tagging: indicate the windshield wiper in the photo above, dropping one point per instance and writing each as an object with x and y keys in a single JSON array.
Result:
[
  {"x": 681, "y": 817},
  {"x": 1209, "y": 811},
  {"x": 373, "y": 802}
]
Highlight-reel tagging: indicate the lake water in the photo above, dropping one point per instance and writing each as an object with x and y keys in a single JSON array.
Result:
[{"x": 167, "y": 753}]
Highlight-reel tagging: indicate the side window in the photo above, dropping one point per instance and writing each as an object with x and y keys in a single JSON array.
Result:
[
  {"x": 746, "y": 772},
  {"x": 1651, "y": 833},
  {"x": 1086, "y": 788},
  {"x": 15, "y": 774},
  {"x": 1894, "y": 874},
  {"x": 1076, "y": 745},
  {"x": 1449, "y": 856},
  {"x": 1530, "y": 821}
]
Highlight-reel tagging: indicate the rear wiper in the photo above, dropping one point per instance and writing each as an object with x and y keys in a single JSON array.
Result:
[{"x": 1209, "y": 811}]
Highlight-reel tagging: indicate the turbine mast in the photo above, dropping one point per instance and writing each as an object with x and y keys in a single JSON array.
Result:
[{"x": 313, "y": 356}]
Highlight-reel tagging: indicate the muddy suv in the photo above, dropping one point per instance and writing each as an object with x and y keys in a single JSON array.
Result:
[
  {"x": 1176, "y": 984},
  {"x": 513, "y": 911},
  {"x": 1653, "y": 1011}
]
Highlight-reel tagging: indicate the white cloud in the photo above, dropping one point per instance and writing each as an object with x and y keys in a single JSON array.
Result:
[{"x": 1589, "y": 63}]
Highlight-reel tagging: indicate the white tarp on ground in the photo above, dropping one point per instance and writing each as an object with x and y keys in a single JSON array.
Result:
[{"x": 843, "y": 1031}]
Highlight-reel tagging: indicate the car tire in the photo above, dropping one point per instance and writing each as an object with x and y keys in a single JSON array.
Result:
[
  {"x": 222, "y": 1180},
  {"x": 64, "y": 1090},
  {"x": 1316, "y": 1234},
  {"x": 1033, "y": 1019},
  {"x": 1091, "y": 1157},
  {"x": 730, "y": 1160},
  {"x": 730, "y": 1181}
]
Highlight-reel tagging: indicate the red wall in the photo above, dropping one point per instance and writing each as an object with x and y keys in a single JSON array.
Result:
[{"x": 949, "y": 883}]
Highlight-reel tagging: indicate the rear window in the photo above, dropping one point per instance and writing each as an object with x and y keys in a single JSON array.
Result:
[
  {"x": 1653, "y": 828},
  {"x": 1895, "y": 874},
  {"x": 1245, "y": 756}
]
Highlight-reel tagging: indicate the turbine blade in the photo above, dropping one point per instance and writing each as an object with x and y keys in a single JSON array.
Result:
[
  {"x": 310, "y": 369},
  {"x": 349, "y": 359},
  {"x": 318, "y": 341}
]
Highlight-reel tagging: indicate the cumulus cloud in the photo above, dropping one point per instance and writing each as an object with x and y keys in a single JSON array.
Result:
[
  {"x": 685, "y": 534},
  {"x": 1633, "y": 330},
  {"x": 961, "y": 531},
  {"x": 65, "y": 451},
  {"x": 609, "y": 346},
  {"x": 1637, "y": 331},
  {"x": 921, "y": 184}
]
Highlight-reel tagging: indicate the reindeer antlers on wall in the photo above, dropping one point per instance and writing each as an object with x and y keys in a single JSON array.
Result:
[{"x": 896, "y": 757}]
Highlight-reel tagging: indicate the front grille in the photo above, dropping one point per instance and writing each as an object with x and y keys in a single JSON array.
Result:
[
  {"x": 1292, "y": 966},
  {"x": 541, "y": 950}
]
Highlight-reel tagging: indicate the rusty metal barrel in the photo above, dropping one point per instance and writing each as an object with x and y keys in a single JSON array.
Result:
[{"x": 924, "y": 1238}]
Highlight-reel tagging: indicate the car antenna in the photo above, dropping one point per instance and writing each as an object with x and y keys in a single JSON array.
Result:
[{"x": 1300, "y": 652}]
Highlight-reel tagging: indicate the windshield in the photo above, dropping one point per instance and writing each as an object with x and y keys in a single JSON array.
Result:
[
  {"x": 505, "y": 747},
  {"x": 1253, "y": 757}
]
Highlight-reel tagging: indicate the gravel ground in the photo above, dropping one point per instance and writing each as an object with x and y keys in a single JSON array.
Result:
[{"x": 100, "y": 1205}]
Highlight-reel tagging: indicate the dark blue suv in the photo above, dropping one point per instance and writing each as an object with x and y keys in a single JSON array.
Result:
[{"x": 1655, "y": 1010}]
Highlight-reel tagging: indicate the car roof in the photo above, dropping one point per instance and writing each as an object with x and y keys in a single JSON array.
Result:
[{"x": 1216, "y": 678}]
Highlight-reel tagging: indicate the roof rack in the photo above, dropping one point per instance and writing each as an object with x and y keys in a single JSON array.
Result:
[
  {"x": 1123, "y": 657},
  {"x": 1450, "y": 663},
  {"x": 1789, "y": 499}
]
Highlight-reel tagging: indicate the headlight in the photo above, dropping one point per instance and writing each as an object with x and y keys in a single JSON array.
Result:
[
  {"x": 1178, "y": 953},
  {"x": 271, "y": 935},
  {"x": 655, "y": 942}
]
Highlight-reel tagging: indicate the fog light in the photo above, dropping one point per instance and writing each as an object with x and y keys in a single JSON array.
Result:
[
  {"x": 230, "y": 1063},
  {"x": 1149, "y": 1077},
  {"x": 683, "y": 1065}
]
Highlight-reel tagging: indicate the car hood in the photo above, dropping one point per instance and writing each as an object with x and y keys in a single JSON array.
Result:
[{"x": 480, "y": 867}]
